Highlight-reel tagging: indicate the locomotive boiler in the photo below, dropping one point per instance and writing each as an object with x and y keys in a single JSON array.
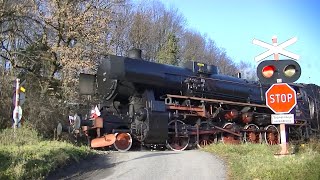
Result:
[{"x": 184, "y": 106}]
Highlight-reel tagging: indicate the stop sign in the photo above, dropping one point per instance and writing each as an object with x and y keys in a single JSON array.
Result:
[{"x": 281, "y": 98}]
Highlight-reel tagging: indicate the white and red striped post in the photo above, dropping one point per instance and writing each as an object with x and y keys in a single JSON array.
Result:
[
  {"x": 16, "y": 104},
  {"x": 283, "y": 136}
]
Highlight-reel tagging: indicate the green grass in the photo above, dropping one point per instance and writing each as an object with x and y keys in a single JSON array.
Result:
[
  {"x": 257, "y": 162},
  {"x": 25, "y": 155}
]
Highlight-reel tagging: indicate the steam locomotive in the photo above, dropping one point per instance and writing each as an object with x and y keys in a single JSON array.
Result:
[{"x": 185, "y": 106}]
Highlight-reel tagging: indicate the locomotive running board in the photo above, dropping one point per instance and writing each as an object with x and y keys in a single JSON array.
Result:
[{"x": 216, "y": 101}]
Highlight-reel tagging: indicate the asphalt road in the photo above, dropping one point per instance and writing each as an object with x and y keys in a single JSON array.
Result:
[{"x": 146, "y": 165}]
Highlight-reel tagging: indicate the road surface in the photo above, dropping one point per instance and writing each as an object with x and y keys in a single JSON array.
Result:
[{"x": 146, "y": 165}]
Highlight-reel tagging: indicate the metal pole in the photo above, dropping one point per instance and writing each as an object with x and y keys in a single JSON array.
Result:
[
  {"x": 16, "y": 104},
  {"x": 283, "y": 136}
]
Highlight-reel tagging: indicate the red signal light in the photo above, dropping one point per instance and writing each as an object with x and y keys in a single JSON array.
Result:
[{"x": 268, "y": 71}]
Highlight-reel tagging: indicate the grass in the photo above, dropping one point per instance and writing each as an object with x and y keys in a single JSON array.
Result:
[
  {"x": 25, "y": 155},
  {"x": 257, "y": 162}
]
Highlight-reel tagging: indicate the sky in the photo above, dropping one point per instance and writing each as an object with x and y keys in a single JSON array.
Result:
[{"x": 233, "y": 24}]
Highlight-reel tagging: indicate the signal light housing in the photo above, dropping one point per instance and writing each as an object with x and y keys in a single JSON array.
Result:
[{"x": 269, "y": 71}]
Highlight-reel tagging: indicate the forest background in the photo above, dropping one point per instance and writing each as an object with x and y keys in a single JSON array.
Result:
[{"x": 48, "y": 43}]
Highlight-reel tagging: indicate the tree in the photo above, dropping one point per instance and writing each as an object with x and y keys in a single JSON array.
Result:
[
  {"x": 121, "y": 18},
  {"x": 225, "y": 64},
  {"x": 168, "y": 53},
  {"x": 151, "y": 25},
  {"x": 192, "y": 46},
  {"x": 49, "y": 42},
  {"x": 247, "y": 70},
  {"x": 6, "y": 94},
  {"x": 140, "y": 29}
]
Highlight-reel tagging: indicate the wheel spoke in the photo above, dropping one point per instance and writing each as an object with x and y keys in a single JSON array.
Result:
[
  {"x": 271, "y": 135},
  {"x": 178, "y": 139},
  {"x": 205, "y": 140},
  {"x": 228, "y": 138},
  {"x": 251, "y": 135}
]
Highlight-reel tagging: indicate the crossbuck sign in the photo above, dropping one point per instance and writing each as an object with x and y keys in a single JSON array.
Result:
[{"x": 275, "y": 49}]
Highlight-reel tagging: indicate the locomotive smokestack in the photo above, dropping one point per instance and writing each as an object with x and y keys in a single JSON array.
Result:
[{"x": 134, "y": 53}]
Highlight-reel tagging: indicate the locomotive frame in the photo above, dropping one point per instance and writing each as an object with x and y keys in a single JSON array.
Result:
[{"x": 185, "y": 107}]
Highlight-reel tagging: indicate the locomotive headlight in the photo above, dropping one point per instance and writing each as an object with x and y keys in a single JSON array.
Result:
[
  {"x": 289, "y": 70},
  {"x": 268, "y": 71}
]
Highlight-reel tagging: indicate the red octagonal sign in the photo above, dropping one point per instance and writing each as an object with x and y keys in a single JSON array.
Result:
[{"x": 281, "y": 98}]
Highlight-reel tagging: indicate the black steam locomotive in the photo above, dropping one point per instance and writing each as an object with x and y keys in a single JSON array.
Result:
[{"x": 186, "y": 106}]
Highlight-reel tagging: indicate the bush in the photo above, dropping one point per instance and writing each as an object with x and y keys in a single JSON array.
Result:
[
  {"x": 19, "y": 137},
  {"x": 25, "y": 155},
  {"x": 6, "y": 94}
]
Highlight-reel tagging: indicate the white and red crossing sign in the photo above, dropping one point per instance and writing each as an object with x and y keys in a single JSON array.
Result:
[
  {"x": 275, "y": 48},
  {"x": 281, "y": 98}
]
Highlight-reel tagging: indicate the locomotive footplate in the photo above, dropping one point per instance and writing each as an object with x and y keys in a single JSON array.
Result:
[{"x": 218, "y": 101}]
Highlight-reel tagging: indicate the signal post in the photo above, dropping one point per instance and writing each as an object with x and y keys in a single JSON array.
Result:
[
  {"x": 280, "y": 97},
  {"x": 18, "y": 100}
]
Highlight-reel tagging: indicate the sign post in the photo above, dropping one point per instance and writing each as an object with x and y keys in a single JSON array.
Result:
[
  {"x": 16, "y": 104},
  {"x": 18, "y": 99},
  {"x": 280, "y": 97}
]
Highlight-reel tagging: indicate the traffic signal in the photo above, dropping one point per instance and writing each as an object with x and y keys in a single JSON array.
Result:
[{"x": 269, "y": 71}]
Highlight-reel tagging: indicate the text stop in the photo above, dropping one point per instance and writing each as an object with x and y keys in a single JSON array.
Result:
[{"x": 278, "y": 98}]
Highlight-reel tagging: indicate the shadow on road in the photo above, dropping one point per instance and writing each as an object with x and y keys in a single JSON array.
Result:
[
  {"x": 98, "y": 165},
  {"x": 89, "y": 165},
  {"x": 154, "y": 154}
]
